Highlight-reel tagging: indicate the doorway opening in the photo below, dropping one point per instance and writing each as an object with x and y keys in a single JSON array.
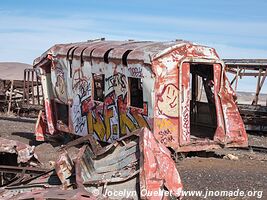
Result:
[{"x": 203, "y": 118}]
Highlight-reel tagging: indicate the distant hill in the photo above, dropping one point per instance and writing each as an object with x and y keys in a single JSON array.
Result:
[
  {"x": 13, "y": 70},
  {"x": 242, "y": 97},
  {"x": 247, "y": 98}
]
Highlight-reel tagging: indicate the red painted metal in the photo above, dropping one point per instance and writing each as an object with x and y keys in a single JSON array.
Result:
[
  {"x": 157, "y": 169},
  {"x": 47, "y": 193},
  {"x": 25, "y": 152},
  {"x": 40, "y": 127},
  {"x": 137, "y": 162},
  {"x": 165, "y": 71},
  {"x": 234, "y": 129}
]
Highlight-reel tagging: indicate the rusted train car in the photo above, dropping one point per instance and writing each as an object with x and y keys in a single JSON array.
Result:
[
  {"x": 177, "y": 89},
  {"x": 19, "y": 94}
]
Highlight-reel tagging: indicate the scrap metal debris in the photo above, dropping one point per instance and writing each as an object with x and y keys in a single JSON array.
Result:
[
  {"x": 231, "y": 157},
  {"x": 25, "y": 153},
  {"x": 137, "y": 162},
  {"x": 64, "y": 167},
  {"x": 157, "y": 168},
  {"x": 45, "y": 194}
]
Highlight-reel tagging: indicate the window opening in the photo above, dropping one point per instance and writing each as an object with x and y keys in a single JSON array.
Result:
[
  {"x": 99, "y": 87},
  {"x": 136, "y": 92}
]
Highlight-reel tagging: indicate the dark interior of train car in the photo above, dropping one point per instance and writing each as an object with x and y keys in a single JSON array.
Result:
[{"x": 203, "y": 120}]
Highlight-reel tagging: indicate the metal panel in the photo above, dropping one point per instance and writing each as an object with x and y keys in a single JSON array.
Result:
[{"x": 157, "y": 64}]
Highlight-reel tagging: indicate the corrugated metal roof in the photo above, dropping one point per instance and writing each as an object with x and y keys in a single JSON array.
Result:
[
  {"x": 111, "y": 50},
  {"x": 123, "y": 51},
  {"x": 13, "y": 70}
]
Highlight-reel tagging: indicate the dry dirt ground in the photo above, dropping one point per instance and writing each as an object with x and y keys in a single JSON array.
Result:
[
  {"x": 22, "y": 130},
  {"x": 200, "y": 173}
]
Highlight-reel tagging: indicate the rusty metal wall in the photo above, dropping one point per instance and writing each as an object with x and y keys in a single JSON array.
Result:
[{"x": 67, "y": 73}]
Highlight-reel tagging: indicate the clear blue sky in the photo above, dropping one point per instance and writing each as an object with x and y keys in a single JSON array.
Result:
[{"x": 236, "y": 28}]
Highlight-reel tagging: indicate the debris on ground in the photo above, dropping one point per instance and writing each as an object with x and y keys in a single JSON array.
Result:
[
  {"x": 230, "y": 157},
  {"x": 24, "y": 152},
  {"x": 133, "y": 163},
  {"x": 201, "y": 172}
]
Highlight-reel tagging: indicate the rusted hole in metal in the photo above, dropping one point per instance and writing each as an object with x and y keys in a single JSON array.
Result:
[
  {"x": 60, "y": 194},
  {"x": 70, "y": 60},
  {"x": 68, "y": 53},
  {"x": 82, "y": 60},
  {"x": 91, "y": 55},
  {"x": 8, "y": 159},
  {"x": 124, "y": 57},
  {"x": 106, "y": 55},
  {"x": 83, "y": 195}
]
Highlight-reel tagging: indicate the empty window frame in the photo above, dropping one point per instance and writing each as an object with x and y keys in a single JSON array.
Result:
[
  {"x": 136, "y": 92},
  {"x": 62, "y": 113},
  {"x": 99, "y": 87}
]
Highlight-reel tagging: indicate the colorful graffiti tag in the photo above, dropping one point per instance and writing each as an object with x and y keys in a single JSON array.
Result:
[
  {"x": 168, "y": 101},
  {"x": 186, "y": 120},
  {"x": 136, "y": 71},
  {"x": 81, "y": 84},
  {"x": 60, "y": 87},
  {"x": 166, "y": 130},
  {"x": 110, "y": 119},
  {"x": 81, "y": 87},
  {"x": 117, "y": 81}
]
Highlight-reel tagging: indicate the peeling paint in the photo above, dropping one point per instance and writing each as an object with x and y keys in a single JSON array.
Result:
[{"x": 165, "y": 70}]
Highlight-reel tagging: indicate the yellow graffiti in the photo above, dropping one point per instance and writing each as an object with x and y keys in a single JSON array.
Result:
[
  {"x": 103, "y": 128},
  {"x": 163, "y": 124},
  {"x": 125, "y": 123},
  {"x": 96, "y": 125},
  {"x": 102, "y": 122},
  {"x": 140, "y": 120},
  {"x": 108, "y": 116}
]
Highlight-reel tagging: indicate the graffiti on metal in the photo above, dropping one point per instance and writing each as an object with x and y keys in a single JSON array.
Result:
[
  {"x": 110, "y": 119},
  {"x": 114, "y": 88},
  {"x": 168, "y": 101}
]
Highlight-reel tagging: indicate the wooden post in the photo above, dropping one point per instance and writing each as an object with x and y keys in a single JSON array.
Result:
[
  {"x": 37, "y": 87},
  {"x": 10, "y": 97},
  {"x": 237, "y": 74},
  {"x": 32, "y": 87},
  {"x": 260, "y": 86},
  {"x": 28, "y": 87},
  {"x": 24, "y": 86},
  {"x": 256, "y": 98}
]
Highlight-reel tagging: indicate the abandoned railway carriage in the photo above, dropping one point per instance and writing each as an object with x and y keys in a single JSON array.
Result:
[{"x": 110, "y": 88}]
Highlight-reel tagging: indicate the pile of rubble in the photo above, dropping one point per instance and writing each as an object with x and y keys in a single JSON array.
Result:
[{"x": 136, "y": 162}]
